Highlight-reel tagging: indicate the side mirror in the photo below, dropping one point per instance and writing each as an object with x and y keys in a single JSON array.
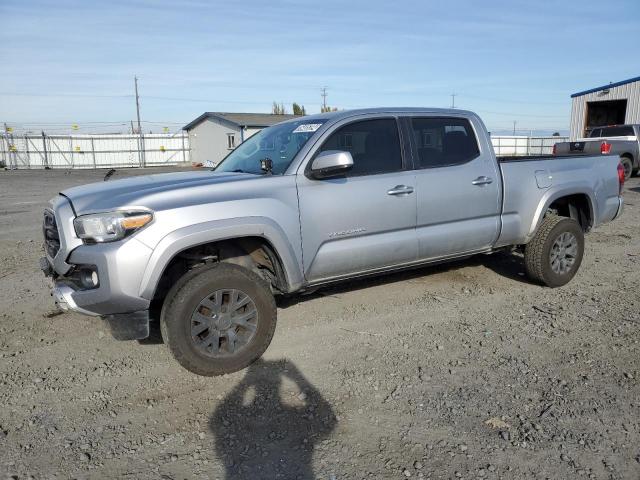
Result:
[{"x": 331, "y": 163}]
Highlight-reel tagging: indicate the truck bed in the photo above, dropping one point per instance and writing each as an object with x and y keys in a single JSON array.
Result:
[{"x": 531, "y": 183}]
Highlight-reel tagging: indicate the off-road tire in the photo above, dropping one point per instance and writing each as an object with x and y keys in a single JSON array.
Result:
[
  {"x": 537, "y": 254},
  {"x": 184, "y": 298}
]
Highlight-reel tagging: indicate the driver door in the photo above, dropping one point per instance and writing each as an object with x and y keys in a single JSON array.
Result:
[{"x": 364, "y": 220}]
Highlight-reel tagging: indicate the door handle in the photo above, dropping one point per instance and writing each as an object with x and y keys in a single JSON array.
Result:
[
  {"x": 400, "y": 190},
  {"x": 482, "y": 181}
]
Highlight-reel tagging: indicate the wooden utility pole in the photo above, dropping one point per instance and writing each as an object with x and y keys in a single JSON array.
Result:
[
  {"x": 141, "y": 141},
  {"x": 135, "y": 79},
  {"x": 453, "y": 100},
  {"x": 324, "y": 99}
]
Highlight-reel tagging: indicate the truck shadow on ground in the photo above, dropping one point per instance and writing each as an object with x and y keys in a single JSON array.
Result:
[
  {"x": 263, "y": 431},
  {"x": 506, "y": 264}
]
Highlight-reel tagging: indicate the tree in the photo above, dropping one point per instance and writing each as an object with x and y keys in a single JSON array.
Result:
[
  {"x": 328, "y": 109},
  {"x": 298, "y": 109},
  {"x": 278, "y": 109}
]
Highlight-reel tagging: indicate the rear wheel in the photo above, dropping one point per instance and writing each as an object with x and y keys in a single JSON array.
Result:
[
  {"x": 555, "y": 253},
  {"x": 628, "y": 167},
  {"x": 218, "y": 319}
]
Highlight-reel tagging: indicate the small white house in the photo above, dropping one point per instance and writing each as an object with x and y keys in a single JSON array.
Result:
[
  {"x": 613, "y": 104},
  {"x": 214, "y": 134}
]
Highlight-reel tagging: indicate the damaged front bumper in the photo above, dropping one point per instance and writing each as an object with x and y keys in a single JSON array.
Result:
[
  {"x": 123, "y": 326},
  {"x": 99, "y": 280},
  {"x": 62, "y": 296}
]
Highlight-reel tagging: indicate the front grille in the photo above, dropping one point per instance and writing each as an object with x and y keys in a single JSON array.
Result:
[{"x": 51, "y": 236}]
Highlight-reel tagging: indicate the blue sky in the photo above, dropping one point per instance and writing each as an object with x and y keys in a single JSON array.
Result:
[{"x": 69, "y": 62}]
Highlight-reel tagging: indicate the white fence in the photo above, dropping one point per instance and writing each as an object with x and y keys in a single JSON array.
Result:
[
  {"x": 117, "y": 151},
  {"x": 507, "y": 145},
  {"x": 93, "y": 151}
]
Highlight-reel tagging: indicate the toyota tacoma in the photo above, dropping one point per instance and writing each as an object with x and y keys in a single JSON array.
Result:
[{"x": 311, "y": 201}]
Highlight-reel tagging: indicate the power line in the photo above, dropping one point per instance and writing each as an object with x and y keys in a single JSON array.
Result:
[
  {"x": 519, "y": 114},
  {"x": 79, "y": 95},
  {"x": 97, "y": 124},
  {"x": 503, "y": 100}
]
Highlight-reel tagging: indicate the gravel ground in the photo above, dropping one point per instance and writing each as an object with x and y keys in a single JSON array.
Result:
[{"x": 458, "y": 371}]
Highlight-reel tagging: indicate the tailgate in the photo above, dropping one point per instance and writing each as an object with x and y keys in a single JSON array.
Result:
[{"x": 579, "y": 147}]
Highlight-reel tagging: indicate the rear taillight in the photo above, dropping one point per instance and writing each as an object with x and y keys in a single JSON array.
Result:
[
  {"x": 605, "y": 148},
  {"x": 620, "y": 177},
  {"x": 553, "y": 152}
]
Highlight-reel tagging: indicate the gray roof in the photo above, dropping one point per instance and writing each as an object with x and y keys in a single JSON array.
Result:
[{"x": 259, "y": 120}]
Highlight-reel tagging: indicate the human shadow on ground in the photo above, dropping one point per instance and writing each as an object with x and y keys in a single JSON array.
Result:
[{"x": 264, "y": 432}]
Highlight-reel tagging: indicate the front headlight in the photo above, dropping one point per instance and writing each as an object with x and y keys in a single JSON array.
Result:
[{"x": 111, "y": 226}]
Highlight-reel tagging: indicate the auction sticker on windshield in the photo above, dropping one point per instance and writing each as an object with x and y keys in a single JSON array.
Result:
[{"x": 307, "y": 127}]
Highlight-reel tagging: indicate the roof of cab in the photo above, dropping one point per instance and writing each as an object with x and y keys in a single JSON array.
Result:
[{"x": 340, "y": 114}]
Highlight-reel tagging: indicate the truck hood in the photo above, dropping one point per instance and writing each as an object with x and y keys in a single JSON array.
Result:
[{"x": 145, "y": 190}]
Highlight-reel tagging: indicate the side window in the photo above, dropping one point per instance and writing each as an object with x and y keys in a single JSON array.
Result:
[
  {"x": 595, "y": 133},
  {"x": 373, "y": 144},
  {"x": 443, "y": 141}
]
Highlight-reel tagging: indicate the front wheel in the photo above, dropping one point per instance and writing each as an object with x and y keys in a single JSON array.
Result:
[
  {"x": 555, "y": 253},
  {"x": 218, "y": 319}
]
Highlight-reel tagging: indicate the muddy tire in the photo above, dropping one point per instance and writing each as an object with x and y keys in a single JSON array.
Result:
[
  {"x": 218, "y": 319},
  {"x": 555, "y": 253}
]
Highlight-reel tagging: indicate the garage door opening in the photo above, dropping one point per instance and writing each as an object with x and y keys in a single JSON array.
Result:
[{"x": 610, "y": 112}]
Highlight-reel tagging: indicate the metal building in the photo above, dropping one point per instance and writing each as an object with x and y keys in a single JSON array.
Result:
[
  {"x": 214, "y": 134},
  {"x": 612, "y": 104}
]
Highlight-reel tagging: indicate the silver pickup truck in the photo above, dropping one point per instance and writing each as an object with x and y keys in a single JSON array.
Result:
[
  {"x": 304, "y": 203},
  {"x": 622, "y": 140}
]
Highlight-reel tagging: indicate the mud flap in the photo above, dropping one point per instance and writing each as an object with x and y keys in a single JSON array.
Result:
[{"x": 128, "y": 326}]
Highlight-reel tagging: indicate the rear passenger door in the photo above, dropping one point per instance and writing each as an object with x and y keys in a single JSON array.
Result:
[
  {"x": 364, "y": 220},
  {"x": 458, "y": 186}
]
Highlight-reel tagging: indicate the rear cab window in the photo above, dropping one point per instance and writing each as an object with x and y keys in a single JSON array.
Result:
[
  {"x": 443, "y": 141},
  {"x": 617, "y": 132},
  {"x": 374, "y": 146}
]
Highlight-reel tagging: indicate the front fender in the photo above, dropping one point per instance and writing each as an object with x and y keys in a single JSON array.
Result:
[{"x": 206, "y": 232}]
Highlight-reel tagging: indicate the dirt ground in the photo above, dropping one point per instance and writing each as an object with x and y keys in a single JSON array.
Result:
[{"x": 458, "y": 371}]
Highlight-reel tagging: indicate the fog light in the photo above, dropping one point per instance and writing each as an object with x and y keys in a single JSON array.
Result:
[{"x": 89, "y": 278}]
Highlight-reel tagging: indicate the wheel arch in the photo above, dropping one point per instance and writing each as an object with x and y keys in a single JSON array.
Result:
[
  {"x": 233, "y": 238},
  {"x": 576, "y": 204}
]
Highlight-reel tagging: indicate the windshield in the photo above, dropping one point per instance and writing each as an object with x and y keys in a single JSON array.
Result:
[{"x": 279, "y": 143}]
